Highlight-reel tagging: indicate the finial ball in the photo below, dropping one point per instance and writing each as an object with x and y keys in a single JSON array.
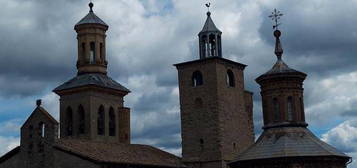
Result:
[
  {"x": 90, "y": 5},
  {"x": 38, "y": 102},
  {"x": 277, "y": 33},
  {"x": 208, "y": 13}
]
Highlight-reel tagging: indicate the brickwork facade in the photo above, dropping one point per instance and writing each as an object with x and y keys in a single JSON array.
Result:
[{"x": 214, "y": 119}]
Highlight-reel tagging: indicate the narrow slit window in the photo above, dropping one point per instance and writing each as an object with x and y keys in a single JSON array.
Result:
[
  {"x": 84, "y": 51},
  {"x": 100, "y": 121},
  {"x": 41, "y": 129},
  {"x": 92, "y": 53},
  {"x": 290, "y": 108},
  {"x": 101, "y": 52},
  {"x": 212, "y": 45}
]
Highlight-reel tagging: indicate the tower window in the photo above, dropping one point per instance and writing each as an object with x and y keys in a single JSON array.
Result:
[
  {"x": 197, "y": 78},
  {"x": 100, "y": 121},
  {"x": 81, "y": 117},
  {"x": 204, "y": 47},
  {"x": 290, "y": 108},
  {"x": 302, "y": 108},
  {"x": 101, "y": 52},
  {"x": 276, "y": 109},
  {"x": 219, "y": 45},
  {"x": 212, "y": 45},
  {"x": 92, "y": 53},
  {"x": 230, "y": 78},
  {"x": 112, "y": 123},
  {"x": 69, "y": 121}
]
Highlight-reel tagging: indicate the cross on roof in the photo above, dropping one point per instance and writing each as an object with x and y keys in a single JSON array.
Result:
[{"x": 275, "y": 16}]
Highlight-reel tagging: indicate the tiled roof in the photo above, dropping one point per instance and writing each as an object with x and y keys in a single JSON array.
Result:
[
  {"x": 96, "y": 79},
  {"x": 288, "y": 142},
  {"x": 209, "y": 25},
  {"x": 118, "y": 153},
  {"x": 91, "y": 18}
]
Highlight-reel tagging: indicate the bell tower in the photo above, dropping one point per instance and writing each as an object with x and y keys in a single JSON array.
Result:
[
  {"x": 216, "y": 110},
  {"x": 92, "y": 103},
  {"x": 91, "y": 44}
]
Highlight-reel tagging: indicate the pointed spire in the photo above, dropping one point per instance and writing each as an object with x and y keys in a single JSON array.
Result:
[
  {"x": 209, "y": 25},
  {"x": 278, "y": 48},
  {"x": 91, "y": 18}
]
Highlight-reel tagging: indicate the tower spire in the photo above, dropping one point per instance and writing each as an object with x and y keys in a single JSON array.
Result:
[
  {"x": 90, "y": 6},
  {"x": 278, "y": 48}
]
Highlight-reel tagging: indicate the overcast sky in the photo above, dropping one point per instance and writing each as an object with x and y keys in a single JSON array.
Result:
[{"x": 38, "y": 51}]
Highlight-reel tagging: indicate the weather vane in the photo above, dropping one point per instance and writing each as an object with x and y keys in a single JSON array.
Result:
[
  {"x": 208, "y": 5},
  {"x": 275, "y": 16}
]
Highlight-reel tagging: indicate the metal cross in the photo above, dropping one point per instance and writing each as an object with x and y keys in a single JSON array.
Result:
[
  {"x": 275, "y": 16},
  {"x": 208, "y": 5}
]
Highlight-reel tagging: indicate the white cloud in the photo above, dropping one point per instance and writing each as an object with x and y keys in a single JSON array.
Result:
[
  {"x": 344, "y": 138},
  {"x": 8, "y": 143}
]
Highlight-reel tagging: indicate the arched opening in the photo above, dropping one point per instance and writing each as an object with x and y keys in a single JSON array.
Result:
[
  {"x": 301, "y": 102},
  {"x": 112, "y": 123},
  {"x": 69, "y": 121},
  {"x": 81, "y": 119},
  {"x": 92, "y": 53},
  {"x": 219, "y": 45},
  {"x": 101, "y": 52},
  {"x": 100, "y": 120},
  {"x": 212, "y": 45},
  {"x": 276, "y": 110},
  {"x": 197, "y": 79},
  {"x": 290, "y": 108},
  {"x": 204, "y": 46},
  {"x": 230, "y": 78}
]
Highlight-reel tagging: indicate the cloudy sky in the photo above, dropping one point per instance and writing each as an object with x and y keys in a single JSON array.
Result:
[{"x": 145, "y": 37}]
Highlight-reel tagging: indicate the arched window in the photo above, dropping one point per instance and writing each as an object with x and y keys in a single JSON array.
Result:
[
  {"x": 69, "y": 121},
  {"x": 84, "y": 51},
  {"x": 276, "y": 109},
  {"x": 290, "y": 108},
  {"x": 212, "y": 45},
  {"x": 112, "y": 123},
  {"x": 100, "y": 120},
  {"x": 301, "y": 102},
  {"x": 92, "y": 53},
  {"x": 219, "y": 45},
  {"x": 41, "y": 129},
  {"x": 197, "y": 78},
  {"x": 204, "y": 46},
  {"x": 230, "y": 78},
  {"x": 81, "y": 119},
  {"x": 101, "y": 52}
]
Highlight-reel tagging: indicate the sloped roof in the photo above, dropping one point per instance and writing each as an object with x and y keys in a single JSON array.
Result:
[
  {"x": 9, "y": 154},
  {"x": 91, "y": 18},
  {"x": 43, "y": 111},
  {"x": 119, "y": 153},
  {"x": 96, "y": 79},
  {"x": 288, "y": 142},
  {"x": 209, "y": 25}
]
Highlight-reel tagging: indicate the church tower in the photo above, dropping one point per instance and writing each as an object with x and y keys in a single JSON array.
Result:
[
  {"x": 216, "y": 111},
  {"x": 92, "y": 104},
  {"x": 286, "y": 141}
]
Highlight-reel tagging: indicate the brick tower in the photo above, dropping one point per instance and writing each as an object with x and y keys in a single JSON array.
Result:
[
  {"x": 286, "y": 142},
  {"x": 216, "y": 111},
  {"x": 91, "y": 104}
]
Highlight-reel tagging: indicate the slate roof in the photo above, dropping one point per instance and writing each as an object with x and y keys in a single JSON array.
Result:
[
  {"x": 91, "y": 18},
  {"x": 288, "y": 142},
  {"x": 10, "y": 154},
  {"x": 95, "y": 79},
  {"x": 209, "y": 25},
  {"x": 118, "y": 153}
]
